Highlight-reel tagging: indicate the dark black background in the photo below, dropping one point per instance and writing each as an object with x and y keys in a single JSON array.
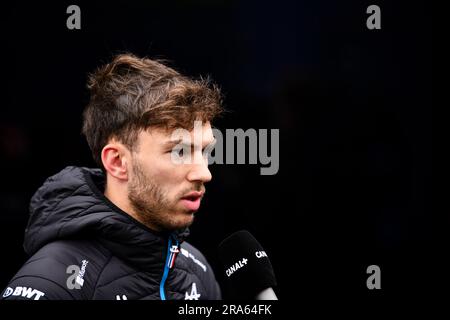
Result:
[{"x": 354, "y": 109}]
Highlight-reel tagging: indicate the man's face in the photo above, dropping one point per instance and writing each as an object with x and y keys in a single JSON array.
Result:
[{"x": 165, "y": 193}]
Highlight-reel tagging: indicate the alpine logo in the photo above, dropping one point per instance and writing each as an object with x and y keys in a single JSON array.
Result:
[
  {"x": 23, "y": 292},
  {"x": 240, "y": 264},
  {"x": 193, "y": 295}
]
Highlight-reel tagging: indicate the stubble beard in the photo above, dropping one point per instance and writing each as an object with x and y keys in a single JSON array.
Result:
[{"x": 151, "y": 204}]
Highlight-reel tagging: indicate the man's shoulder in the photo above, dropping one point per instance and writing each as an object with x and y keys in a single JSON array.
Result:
[
  {"x": 69, "y": 249},
  {"x": 57, "y": 269},
  {"x": 60, "y": 255}
]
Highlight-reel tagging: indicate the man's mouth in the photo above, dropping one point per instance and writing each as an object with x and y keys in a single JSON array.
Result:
[{"x": 192, "y": 200}]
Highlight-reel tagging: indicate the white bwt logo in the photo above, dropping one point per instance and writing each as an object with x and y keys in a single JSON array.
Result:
[{"x": 23, "y": 292}]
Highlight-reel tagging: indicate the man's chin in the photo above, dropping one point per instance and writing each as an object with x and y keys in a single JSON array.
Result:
[{"x": 183, "y": 220}]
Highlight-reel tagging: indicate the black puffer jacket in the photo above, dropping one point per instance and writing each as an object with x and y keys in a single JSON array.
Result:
[{"x": 82, "y": 246}]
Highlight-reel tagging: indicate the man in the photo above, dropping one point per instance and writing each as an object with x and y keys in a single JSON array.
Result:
[{"x": 118, "y": 232}]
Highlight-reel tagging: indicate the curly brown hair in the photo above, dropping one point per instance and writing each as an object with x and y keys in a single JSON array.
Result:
[{"x": 131, "y": 94}]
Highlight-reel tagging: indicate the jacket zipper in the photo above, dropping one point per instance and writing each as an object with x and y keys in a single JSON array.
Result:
[{"x": 172, "y": 252}]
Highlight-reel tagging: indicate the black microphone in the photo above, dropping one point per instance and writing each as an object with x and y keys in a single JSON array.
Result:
[{"x": 248, "y": 271}]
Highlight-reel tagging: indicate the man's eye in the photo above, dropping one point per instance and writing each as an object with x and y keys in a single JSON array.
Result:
[{"x": 179, "y": 152}]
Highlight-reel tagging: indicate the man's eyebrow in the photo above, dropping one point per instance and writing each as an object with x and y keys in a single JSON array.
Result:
[{"x": 172, "y": 143}]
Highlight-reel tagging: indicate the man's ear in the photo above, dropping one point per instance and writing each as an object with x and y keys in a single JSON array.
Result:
[{"x": 114, "y": 159}]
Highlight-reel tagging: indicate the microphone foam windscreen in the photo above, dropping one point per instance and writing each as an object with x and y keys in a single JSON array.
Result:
[{"x": 246, "y": 265}]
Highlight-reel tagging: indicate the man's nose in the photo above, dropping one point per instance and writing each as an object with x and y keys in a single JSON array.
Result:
[{"x": 199, "y": 172}]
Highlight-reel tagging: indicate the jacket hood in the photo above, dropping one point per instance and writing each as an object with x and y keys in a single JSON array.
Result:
[{"x": 71, "y": 205}]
